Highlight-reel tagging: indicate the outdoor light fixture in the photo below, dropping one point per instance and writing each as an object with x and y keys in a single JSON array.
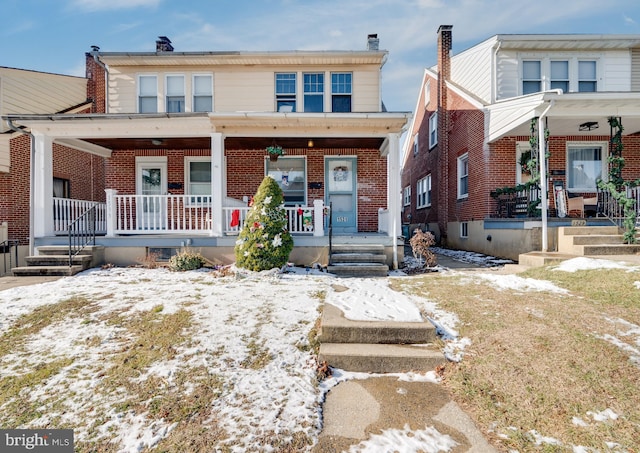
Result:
[
  {"x": 157, "y": 142},
  {"x": 588, "y": 126},
  {"x": 310, "y": 144}
]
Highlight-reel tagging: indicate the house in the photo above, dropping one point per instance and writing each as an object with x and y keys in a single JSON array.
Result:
[
  {"x": 184, "y": 136},
  {"x": 464, "y": 176},
  {"x": 71, "y": 174}
]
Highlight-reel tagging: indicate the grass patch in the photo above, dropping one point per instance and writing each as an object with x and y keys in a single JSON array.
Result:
[
  {"x": 537, "y": 359},
  {"x": 258, "y": 356}
]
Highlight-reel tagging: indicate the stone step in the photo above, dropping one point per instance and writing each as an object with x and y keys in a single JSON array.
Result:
[
  {"x": 359, "y": 269},
  {"x": 380, "y": 358},
  {"x": 335, "y": 328},
  {"x": 614, "y": 249},
  {"x": 357, "y": 248},
  {"x": 64, "y": 249},
  {"x": 27, "y": 271},
  {"x": 598, "y": 239},
  {"x": 588, "y": 230},
  {"x": 58, "y": 260},
  {"x": 358, "y": 258}
]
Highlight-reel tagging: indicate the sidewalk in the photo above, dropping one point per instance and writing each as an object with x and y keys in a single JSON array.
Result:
[{"x": 9, "y": 281}]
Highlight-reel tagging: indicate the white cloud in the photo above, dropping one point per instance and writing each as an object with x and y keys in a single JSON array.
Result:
[{"x": 100, "y": 5}]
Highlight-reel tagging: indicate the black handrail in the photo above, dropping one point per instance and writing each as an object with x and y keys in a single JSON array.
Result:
[
  {"x": 610, "y": 208},
  {"x": 82, "y": 232},
  {"x": 330, "y": 231},
  {"x": 5, "y": 249}
]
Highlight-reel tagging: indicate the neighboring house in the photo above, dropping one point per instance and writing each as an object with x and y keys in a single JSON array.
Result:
[
  {"x": 184, "y": 137},
  {"x": 70, "y": 173},
  {"x": 472, "y": 123}
]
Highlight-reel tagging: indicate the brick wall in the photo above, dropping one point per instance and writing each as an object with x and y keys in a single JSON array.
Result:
[{"x": 96, "y": 84}]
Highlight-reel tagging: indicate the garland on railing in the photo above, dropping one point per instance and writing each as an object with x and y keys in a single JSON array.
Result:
[
  {"x": 533, "y": 164},
  {"x": 628, "y": 206},
  {"x": 616, "y": 161},
  {"x": 532, "y": 206}
]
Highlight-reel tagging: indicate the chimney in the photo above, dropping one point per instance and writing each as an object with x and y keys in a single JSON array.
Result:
[
  {"x": 373, "y": 42},
  {"x": 444, "y": 51},
  {"x": 163, "y": 44}
]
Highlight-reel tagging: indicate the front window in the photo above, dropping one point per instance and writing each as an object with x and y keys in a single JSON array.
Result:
[
  {"x": 584, "y": 167},
  {"x": 406, "y": 196},
  {"x": 148, "y": 94},
  {"x": 198, "y": 178},
  {"x": 587, "y": 80},
  {"x": 290, "y": 174},
  {"x": 433, "y": 130},
  {"x": 286, "y": 92},
  {"x": 202, "y": 93},
  {"x": 416, "y": 145},
  {"x": 341, "y": 92},
  {"x": 175, "y": 93},
  {"x": 560, "y": 75},
  {"x": 313, "y": 92},
  {"x": 531, "y": 77},
  {"x": 423, "y": 190},
  {"x": 463, "y": 176}
]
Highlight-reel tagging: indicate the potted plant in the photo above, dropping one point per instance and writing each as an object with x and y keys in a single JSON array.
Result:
[{"x": 275, "y": 151}]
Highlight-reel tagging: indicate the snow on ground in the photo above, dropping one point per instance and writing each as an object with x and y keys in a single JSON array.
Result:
[
  {"x": 583, "y": 263},
  {"x": 275, "y": 310}
]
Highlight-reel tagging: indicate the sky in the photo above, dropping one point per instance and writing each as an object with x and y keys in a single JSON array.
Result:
[
  {"x": 276, "y": 310},
  {"x": 52, "y": 36}
]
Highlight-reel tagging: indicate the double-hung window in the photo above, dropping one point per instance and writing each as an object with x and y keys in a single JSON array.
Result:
[
  {"x": 463, "y": 176},
  {"x": 286, "y": 92},
  {"x": 147, "y": 94},
  {"x": 560, "y": 75},
  {"x": 433, "y": 130},
  {"x": 406, "y": 196},
  {"x": 198, "y": 179},
  {"x": 202, "y": 93},
  {"x": 290, "y": 174},
  {"x": 416, "y": 144},
  {"x": 423, "y": 192},
  {"x": 531, "y": 76},
  {"x": 175, "y": 93},
  {"x": 341, "y": 91},
  {"x": 587, "y": 79},
  {"x": 313, "y": 92},
  {"x": 585, "y": 166}
]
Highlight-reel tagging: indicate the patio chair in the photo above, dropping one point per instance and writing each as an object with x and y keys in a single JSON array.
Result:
[{"x": 574, "y": 204}]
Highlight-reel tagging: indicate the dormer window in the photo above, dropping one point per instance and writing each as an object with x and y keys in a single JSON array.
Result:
[
  {"x": 175, "y": 93},
  {"x": 147, "y": 94},
  {"x": 587, "y": 79},
  {"x": 531, "y": 77}
]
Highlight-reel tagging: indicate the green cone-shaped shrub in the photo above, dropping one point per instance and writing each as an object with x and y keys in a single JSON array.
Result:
[{"x": 264, "y": 241}]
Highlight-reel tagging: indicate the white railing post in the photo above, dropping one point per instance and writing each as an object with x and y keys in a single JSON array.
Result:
[
  {"x": 318, "y": 217},
  {"x": 111, "y": 211}
]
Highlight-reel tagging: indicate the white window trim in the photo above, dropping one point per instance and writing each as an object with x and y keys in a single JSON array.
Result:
[
  {"x": 427, "y": 192},
  {"x": 521, "y": 148},
  {"x": 406, "y": 196},
  {"x": 433, "y": 128},
  {"x": 416, "y": 144},
  {"x": 138, "y": 94},
  {"x": 587, "y": 144},
  {"x": 184, "y": 89},
  {"x": 191, "y": 107},
  {"x": 545, "y": 69},
  {"x": 187, "y": 174},
  {"x": 463, "y": 157}
]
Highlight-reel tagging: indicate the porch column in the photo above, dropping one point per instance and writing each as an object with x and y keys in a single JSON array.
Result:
[
  {"x": 111, "y": 211},
  {"x": 217, "y": 184},
  {"x": 318, "y": 217},
  {"x": 394, "y": 192},
  {"x": 43, "y": 186}
]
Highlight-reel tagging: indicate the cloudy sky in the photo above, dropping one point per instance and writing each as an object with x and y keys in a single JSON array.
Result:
[{"x": 52, "y": 36}]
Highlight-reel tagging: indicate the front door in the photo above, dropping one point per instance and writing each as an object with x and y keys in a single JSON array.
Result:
[
  {"x": 340, "y": 181},
  {"x": 151, "y": 182}
]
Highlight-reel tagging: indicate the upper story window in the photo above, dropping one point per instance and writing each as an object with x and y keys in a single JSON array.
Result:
[
  {"x": 531, "y": 77},
  {"x": 587, "y": 79},
  {"x": 433, "y": 130},
  {"x": 203, "y": 93},
  {"x": 175, "y": 93},
  {"x": 406, "y": 196},
  {"x": 313, "y": 92},
  {"x": 463, "y": 176},
  {"x": 341, "y": 91},
  {"x": 286, "y": 92},
  {"x": 148, "y": 94},
  {"x": 560, "y": 75},
  {"x": 416, "y": 145},
  {"x": 423, "y": 192}
]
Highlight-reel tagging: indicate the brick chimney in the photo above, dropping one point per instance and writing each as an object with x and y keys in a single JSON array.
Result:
[
  {"x": 444, "y": 74},
  {"x": 373, "y": 43},
  {"x": 163, "y": 44}
]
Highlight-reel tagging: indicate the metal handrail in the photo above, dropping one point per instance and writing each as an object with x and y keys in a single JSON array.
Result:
[
  {"x": 610, "y": 208},
  {"x": 82, "y": 232},
  {"x": 5, "y": 249}
]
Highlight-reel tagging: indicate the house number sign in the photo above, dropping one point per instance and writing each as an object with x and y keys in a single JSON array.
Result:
[{"x": 341, "y": 219}]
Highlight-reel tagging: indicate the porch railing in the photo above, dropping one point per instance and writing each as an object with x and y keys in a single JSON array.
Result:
[
  {"x": 517, "y": 202},
  {"x": 300, "y": 220},
  {"x": 609, "y": 207},
  {"x": 67, "y": 210}
]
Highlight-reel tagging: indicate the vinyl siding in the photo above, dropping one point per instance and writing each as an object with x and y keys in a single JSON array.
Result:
[
  {"x": 617, "y": 71},
  {"x": 472, "y": 70},
  {"x": 635, "y": 69}
]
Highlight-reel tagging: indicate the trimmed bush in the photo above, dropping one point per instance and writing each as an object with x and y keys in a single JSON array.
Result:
[
  {"x": 264, "y": 241},
  {"x": 186, "y": 260}
]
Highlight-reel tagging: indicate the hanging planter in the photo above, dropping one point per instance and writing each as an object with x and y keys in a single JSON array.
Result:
[{"x": 274, "y": 152}]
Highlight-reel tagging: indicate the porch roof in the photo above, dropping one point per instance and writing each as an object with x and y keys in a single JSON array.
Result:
[{"x": 567, "y": 111}]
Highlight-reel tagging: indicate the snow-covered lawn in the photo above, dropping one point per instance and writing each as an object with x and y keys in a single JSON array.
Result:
[{"x": 242, "y": 340}]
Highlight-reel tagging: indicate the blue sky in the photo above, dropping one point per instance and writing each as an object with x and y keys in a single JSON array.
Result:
[{"x": 53, "y": 35}]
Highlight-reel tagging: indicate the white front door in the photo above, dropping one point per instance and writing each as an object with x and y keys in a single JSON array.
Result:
[{"x": 151, "y": 183}]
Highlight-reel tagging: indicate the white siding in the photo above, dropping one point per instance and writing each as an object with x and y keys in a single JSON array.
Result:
[
  {"x": 508, "y": 76},
  {"x": 36, "y": 92},
  {"x": 617, "y": 71},
  {"x": 244, "y": 91},
  {"x": 123, "y": 97},
  {"x": 635, "y": 69},
  {"x": 366, "y": 91},
  {"x": 472, "y": 70}
]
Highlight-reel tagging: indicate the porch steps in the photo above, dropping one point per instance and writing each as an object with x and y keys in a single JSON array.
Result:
[
  {"x": 54, "y": 260},
  {"x": 358, "y": 260},
  {"x": 377, "y": 346},
  {"x": 594, "y": 241}
]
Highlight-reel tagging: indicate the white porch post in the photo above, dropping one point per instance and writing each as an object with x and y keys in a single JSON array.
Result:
[
  {"x": 111, "y": 211},
  {"x": 318, "y": 217},
  {"x": 43, "y": 186},
  {"x": 394, "y": 192},
  {"x": 217, "y": 183}
]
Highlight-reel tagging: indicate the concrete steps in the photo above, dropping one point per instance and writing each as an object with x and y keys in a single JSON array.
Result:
[
  {"x": 358, "y": 260},
  {"x": 594, "y": 241},
  {"x": 377, "y": 346},
  {"x": 54, "y": 260}
]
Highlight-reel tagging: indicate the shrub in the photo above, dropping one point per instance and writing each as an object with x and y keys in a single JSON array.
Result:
[
  {"x": 186, "y": 260},
  {"x": 420, "y": 243},
  {"x": 264, "y": 241}
]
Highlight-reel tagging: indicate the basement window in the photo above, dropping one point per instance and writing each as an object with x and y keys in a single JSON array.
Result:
[{"x": 464, "y": 230}]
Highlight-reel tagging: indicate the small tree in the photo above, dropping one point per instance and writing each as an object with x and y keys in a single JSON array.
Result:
[
  {"x": 264, "y": 241},
  {"x": 420, "y": 243}
]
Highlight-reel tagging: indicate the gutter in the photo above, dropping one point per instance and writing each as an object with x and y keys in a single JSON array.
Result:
[{"x": 32, "y": 140}]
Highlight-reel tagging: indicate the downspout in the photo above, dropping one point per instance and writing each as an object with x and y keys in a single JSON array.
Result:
[
  {"x": 543, "y": 174},
  {"x": 32, "y": 140}
]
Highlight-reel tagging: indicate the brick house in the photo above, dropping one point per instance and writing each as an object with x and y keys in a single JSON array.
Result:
[
  {"x": 473, "y": 122},
  {"x": 184, "y": 138},
  {"x": 72, "y": 173}
]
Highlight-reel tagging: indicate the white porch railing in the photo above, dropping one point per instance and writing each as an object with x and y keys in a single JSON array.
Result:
[{"x": 66, "y": 210}]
